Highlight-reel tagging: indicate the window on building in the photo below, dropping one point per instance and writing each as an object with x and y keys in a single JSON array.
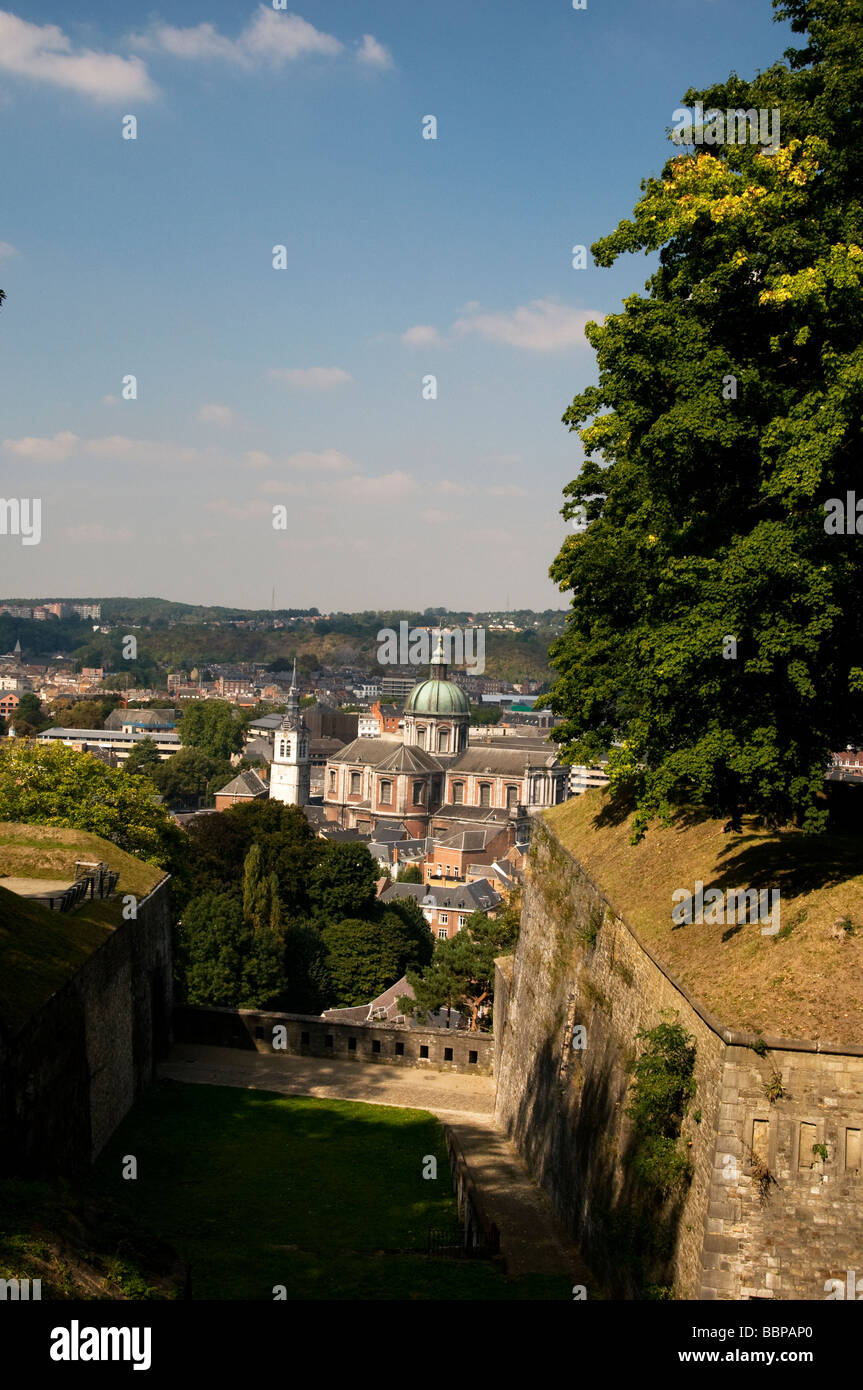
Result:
[
  {"x": 461, "y": 921},
  {"x": 376, "y": 1044},
  {"x": 443, "y": 918},
  {"x": 332, "y": 781},
  {"x": 458, "y": 793},
  {"x": 472, "y": 1058},
  {"x": 442, "y": 933},
  {"x": 424, "y": 1052},
  {"x": 400, "y": 1049},
  {"x": 419, "y": 793},
  {"x": 328, "y": 1040},
  {"x": 356, "y": 783},
  {"x": 304, "y": 1040},
  {"x": 485, "y": 794},
  {"x": 443, "y": 741},
  {"x": 511, "y": 797},
  {"x": 386, "y": 793},
  {"x": 421, "y": 737},
  {"x": 352, "y": 1044},
  {"x": 447, "y": 1054}
]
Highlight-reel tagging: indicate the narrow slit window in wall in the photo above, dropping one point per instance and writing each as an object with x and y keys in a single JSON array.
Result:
[{"x": 808, "y": 1137}]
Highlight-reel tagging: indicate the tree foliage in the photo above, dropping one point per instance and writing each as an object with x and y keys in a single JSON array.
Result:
[
  {"x": 715, "y": 626},
  {"x": 50, "y": 784},
  {"x": 213, "y": 727},
  {"x": 461, "y": 972}
]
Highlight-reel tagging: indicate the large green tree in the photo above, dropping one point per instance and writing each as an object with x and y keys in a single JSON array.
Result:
[
  {"x": 365, "y": 957},
  {"x": 212, "y": 726},
  {"x": 461, "y": 973},
  {"x": 50, "y": 784},
  {"x": 715, "y": 628},
  {"x": 183, "y": 779},
  {"x": 222, "y": 960}
]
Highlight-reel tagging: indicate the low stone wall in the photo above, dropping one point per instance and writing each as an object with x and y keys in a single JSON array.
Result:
[
  {"x": 70, "y": 1075},
  {"x": 764, "y": 1216},
  {"x": 437, "y": 1049}
]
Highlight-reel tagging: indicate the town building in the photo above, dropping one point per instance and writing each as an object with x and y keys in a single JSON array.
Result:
[
  {"x": 447, "y": 909},
  {"x": 431, "y": 779},
  {"x": 117, "y": 741},
  {"x": 290, "y": 772},
  {"x": 246, "y": 786}
]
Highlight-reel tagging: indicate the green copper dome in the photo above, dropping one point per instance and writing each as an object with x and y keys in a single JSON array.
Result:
[{"x": 437, "y": 697}]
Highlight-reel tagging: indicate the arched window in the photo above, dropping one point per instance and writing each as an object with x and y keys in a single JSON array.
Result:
[
  {"x": 485, "y": 794},
  {"x": 419, "y": 793},
  {"x": 386, "y": 794},
  {"x": 511, "y": 797},
  {"x": 458, "y": 793},
  {"x": 421, "y": 737}
]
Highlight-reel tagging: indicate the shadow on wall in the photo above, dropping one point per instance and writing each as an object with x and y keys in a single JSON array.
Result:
[{"x": 576, "y": 1138}]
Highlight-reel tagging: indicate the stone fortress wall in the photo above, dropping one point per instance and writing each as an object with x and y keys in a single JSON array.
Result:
[
  {"x": 763, "y": 1217},
  {"x": 70, "y": 1075}
]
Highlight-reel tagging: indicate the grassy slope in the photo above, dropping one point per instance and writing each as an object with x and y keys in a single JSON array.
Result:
[
  {"x": 805, "y": 982},
  {"x": 41, "y": 949},
  {"x": 324, "y": 1197}
]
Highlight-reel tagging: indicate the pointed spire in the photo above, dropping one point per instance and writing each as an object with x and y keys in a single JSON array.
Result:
[
  {"x": 294, "y": 676},
  {"x": 438, "y": 662}
]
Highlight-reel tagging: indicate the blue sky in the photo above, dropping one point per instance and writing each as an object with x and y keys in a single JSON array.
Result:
[{"x": 406, "y": 257}]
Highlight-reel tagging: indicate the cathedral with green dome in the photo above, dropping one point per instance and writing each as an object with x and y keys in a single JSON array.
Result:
[{"x": 433, "y": 778}]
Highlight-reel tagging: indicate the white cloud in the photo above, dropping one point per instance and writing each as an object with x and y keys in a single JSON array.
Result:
[
  {"x": 93, "y": 531},
  {"x": 374, "y": 54},
  {"x": 455, "y": 489},
  {"x": 434, "y": 517},
  {"x": 246, "y": 511},
  {"x": 508, "y": 490},
  {"x": 256, "y": 458},
  {"x": 7, "y": 249},
  {"x": 43, "y": 53},
  {"x": 327, "y": 461},
  {"x": 55, "y": 450},
  {"x": 110, "y": 400},
  {"x": 541, "y": 326},
  {"x": 221, "y": 415},
  {"x": 271, "y": 38},
  {"x": 310, "y": 378},
  {"x": 65, "y": 445},
  {"x": 387, "y": 487},
  {"x": 282, "y": 488},
  {"x": 421, "y": 335}
]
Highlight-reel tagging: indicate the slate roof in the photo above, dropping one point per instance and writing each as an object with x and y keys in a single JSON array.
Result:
[
  {"x": 259, "y": 748},
  {"x": 367, "y": 750},
  {"x": 464, "y": 897},
  {"x": 409, "y": 759},
  {"x": 506, "y": 761},
  {"x": 490, "y": 815},
  {"x": 246, "y": 784},
  {"x": 469, "y": 839}
]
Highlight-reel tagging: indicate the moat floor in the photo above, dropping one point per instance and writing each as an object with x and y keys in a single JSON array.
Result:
[{"x": 532, "y": 1242}]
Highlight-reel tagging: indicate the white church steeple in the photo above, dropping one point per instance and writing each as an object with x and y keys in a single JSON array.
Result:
[{"x": 291, "y": 767}]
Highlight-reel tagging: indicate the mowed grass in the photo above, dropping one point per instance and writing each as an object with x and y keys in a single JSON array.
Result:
[{"x": 324, "y": 1197}]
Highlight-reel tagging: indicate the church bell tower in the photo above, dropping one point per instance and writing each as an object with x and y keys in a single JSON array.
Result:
[{"x": 291, "y": 767}]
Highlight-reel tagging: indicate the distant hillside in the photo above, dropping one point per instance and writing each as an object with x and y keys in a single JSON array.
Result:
[{"x": 173, "y": 636}]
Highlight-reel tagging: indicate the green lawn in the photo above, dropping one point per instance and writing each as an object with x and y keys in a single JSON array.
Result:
[{"x": 324, "y": 1197}]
